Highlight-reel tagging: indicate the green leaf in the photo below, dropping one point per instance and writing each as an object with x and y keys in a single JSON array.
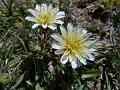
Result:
[
  {"x": 4, "y": 78},
  {"x": 89, "y": 74},
  {"x": 37, "y": 87},
  {"x": 108, "y": 82},
  {"x": 81, "y": 85},
  {"x": 5, "y": 19},
  {"x": 36, "y": 77},
  {"x": 13, "y": 62},
  {"x": 21, "y": 88},
  {"x": 18, "y": 81},
  {"x": 37, "y": 47},
  {"x": 20, "y": 41}
]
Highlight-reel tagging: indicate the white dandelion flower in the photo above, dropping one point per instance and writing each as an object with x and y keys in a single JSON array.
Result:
[
  {"x": 74, "y": 44},
  {"x": 46, "y": 16}
]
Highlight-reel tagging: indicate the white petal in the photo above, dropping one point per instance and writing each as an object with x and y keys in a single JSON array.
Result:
[
  {"x": 70, "y": 28},
  {"x": 63, "y": 31},
  {"x": 74, "y": 64},
  {"x": 43, "y": 7},
  {"x": 58, "y": 17},
  {"x": 71, "y": 58},
  {"x": 64, "y": 59},
  {"x": 91, "y": 50},
  {"x": 35, "y": 25},
  {"x": 57, "y": 37},
  {"x": 90, "y": 57},
  {"x": 55, "y": 11},
  {"x": 87, "y": 52},
  {"x": 31, "y": 11},
  {"x": 53, "y": 26},
  {"x": 86, "y": 36},
  {"x": 79, "y": 29},
  {"x": 44, "y": 26},
  {"x": 81, "y": 59},
  {"x": 37, "y": 7},
  {"x": 50, "y": 7},
  {"x": 61, "y": 13},
  {"x": 30, "y": 19},
  {"x": 55, "y": 46},
  {"x": 84, "y": 31},
  {"x": 59, "y": 51},
  {"x": 59, "y": 22},
  {"x": 78, "y": 35},
  {"x": 90, "y": 44}
]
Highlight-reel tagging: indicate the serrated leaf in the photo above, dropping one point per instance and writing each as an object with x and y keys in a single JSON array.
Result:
[{"x": 4, "y": 78}]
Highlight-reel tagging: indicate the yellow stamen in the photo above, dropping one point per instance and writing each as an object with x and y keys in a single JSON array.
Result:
[
  {"x": 44, "y": 18},
  {"x": 73, "y": 45}
]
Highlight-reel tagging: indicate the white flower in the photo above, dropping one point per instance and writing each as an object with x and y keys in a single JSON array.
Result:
[
  {"x": 46, "y": 16},
  {"x": 74, "y": 44}
]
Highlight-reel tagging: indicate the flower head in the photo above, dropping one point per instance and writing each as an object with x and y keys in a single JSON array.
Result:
[
  {"x": 46, "y": 16},
  {"x": 74, "y": 44}
]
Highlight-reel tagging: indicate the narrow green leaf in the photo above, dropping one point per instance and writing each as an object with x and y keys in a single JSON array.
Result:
[
  {"x": 20, "y": 41},
  {"x": 89, "y": 74},
  {"x": 13, "y": 62},
  {"x": 18, "y": 81},
  {"x": 108, "y": 82}
]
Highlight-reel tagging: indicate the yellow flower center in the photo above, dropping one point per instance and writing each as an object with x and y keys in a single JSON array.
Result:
[
  {"x": 73, "y": 45},
  {"x": 44, "y": 18}
]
